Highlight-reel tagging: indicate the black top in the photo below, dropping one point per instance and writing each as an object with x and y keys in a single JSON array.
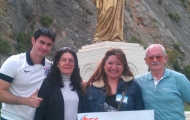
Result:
[{"x": 110, "y": 100}]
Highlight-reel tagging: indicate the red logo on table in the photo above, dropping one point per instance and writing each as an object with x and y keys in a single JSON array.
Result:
[{"x": 86, "y": 118}]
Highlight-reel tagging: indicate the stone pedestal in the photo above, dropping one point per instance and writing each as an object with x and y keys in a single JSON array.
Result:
[{"x": 89, "y": 57}]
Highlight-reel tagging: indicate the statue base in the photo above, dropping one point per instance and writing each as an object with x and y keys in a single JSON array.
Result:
[{"x": 89, "y": 57}]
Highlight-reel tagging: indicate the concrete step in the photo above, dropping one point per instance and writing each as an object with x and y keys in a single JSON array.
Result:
[{"x": 187, "y": 114}]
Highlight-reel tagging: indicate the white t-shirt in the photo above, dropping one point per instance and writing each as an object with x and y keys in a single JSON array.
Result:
[{"x": 25, "y": 77}]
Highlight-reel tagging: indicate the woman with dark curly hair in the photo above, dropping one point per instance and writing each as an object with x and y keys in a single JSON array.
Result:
[
  {"x": 111, "y": 87},
  {"x": 61, "y": 90}
]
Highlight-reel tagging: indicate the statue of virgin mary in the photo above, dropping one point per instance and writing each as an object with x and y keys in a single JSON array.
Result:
[{"x": 110, "y": 16}]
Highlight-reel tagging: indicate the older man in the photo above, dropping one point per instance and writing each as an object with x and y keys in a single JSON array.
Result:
[{"x": 163, "y": 90}]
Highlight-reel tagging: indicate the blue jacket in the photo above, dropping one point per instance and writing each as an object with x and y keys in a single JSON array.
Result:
[{"x": 94, "y": 96}]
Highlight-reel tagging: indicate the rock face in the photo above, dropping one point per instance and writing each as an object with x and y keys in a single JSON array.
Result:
[{"x": 75, "y": 20}]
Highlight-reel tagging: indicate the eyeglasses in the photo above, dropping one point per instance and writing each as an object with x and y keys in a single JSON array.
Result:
[
  {"x": 66, "y": 48},
  {"x": 70, "y": 61},
  {"x": 151, "y": 58}
]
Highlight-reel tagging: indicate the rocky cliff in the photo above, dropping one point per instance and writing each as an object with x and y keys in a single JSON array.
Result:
[{"x": 74, "y": 22}]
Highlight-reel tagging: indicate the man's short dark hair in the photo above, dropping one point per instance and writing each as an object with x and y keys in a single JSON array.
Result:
[{"x": 45, "y": 32}]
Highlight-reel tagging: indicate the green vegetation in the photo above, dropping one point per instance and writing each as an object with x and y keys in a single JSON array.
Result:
[
  {"x": 46, "y": 20},
  {"x": 166, "y": 26},
  {"x": 5, "y": 48},
  {"x": 186, "y": 71},
  {"x": 32, "y": 25},
  {"x": 160, "y": 1},
  {"x": 128, "y": 9},
  {"x": 125, "y": 28},
  {"x": 187, "y": 109},
  {"x": 187, "y": 106},
  {"x": 136, "y": 40},
  {"x": 174, "y": 17},
  {"x": 184, "y": 3},
  {"x": 131, "y": 15},
  {"x": 23, "y": 42},
  {"x": 11, "y": 26},
  {"x": 177, "y": 47},
  {"x": 87, "y": 10},
  {"x": 174, "y": 58}
]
